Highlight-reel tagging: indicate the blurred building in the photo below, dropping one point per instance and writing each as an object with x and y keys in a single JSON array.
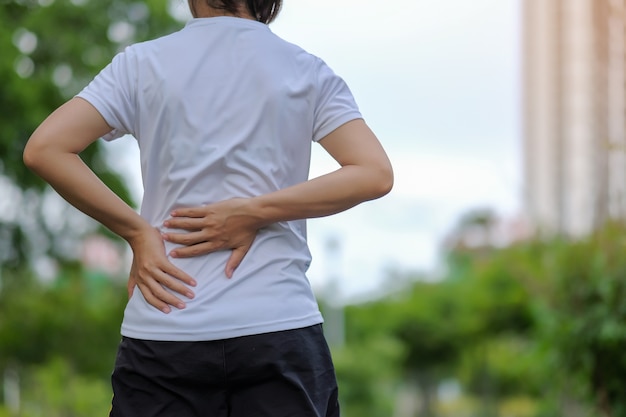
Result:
[{"x": 574, "y": 113}]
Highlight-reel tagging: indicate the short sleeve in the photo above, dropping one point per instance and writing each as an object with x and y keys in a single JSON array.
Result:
[
  {"x": 112, "y": 93},
  {"x": 335, "y": 104}
]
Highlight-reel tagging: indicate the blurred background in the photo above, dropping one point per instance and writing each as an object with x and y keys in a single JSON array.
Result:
[{"x": 491, "y": 282}]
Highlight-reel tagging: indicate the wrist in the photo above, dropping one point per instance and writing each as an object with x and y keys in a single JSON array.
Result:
[
  {"x": 257, "y": 209},
  {"x": 134, "y": 235}
]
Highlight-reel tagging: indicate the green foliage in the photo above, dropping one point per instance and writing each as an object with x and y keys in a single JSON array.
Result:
[
  {"x": 61, "y": 340},
  {"x": 537, "y": 329},
  {"x": 439, "y": 331},
  {"x": 367, "y": 377},
  {"x": 582, "y": 314},
  {"x": 430, "y": 345},
  {"x": 55, "y": 389},
  {"x": 50, "y": 50},
  {"x": 572, "y": 322},
  {"x": 40, "y": 323}
]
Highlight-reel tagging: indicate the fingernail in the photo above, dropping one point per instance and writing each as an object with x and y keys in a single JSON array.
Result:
[
  {"x": 166, "y": 223},
  {"x": 173, "y": 254},
  {"x": 166, "y": 310},
  {"x": 194, "y": 283},
  {"x": 189, "y": 295}
]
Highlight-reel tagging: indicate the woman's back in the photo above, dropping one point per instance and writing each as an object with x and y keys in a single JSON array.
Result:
[{"x": 224, "y": 109}]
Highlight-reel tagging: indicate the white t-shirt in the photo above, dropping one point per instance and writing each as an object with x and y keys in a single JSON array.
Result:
[{"x": 220, "y": 109}]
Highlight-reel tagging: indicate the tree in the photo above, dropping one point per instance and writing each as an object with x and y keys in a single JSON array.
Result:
[
  {"x": 40, "y": 323},
  {"x": 50, "y": 50},
  {"x": 582, "y": 314},
  {"x": 572, "y": 318}
]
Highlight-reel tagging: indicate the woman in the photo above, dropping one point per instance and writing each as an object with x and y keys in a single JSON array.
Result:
[{"x": 224, "y": 322}]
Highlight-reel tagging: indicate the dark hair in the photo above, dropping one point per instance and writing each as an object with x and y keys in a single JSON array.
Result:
[{"x": 264, "y": 11}]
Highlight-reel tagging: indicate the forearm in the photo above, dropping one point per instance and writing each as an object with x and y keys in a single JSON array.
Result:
[
  {"x": 322, "y": 196},
  {"x": 77, "y": 184}
]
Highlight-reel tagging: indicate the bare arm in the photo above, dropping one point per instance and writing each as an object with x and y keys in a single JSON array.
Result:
[
  {"x": 52, "y": 153},
  {"x": 365, "y": 174}
]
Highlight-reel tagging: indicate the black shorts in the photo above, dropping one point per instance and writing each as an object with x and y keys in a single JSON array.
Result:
[{"x": 281, "y": 374}]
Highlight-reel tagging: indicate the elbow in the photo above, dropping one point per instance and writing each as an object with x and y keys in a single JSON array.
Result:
[
  {"x": 31, "y": 157},
  {"x": 383, "y": 182},
  {"x": 386, "y": 181},
  {"x": 34, "y": 155}
]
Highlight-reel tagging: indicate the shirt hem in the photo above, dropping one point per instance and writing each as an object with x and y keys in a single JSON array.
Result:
[
  {"x": 222, "y": 334},
  {"x": 336, "y": 124},
  {"x": 101, "y": 108}
]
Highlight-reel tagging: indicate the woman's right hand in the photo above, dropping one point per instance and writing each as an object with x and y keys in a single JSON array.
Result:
[{"x": 152, "y": 272}]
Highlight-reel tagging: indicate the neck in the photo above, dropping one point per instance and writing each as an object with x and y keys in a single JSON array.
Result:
[{"x": 199, "y": 9}]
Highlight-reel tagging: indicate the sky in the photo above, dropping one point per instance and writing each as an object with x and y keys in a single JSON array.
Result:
[{"x": 438, "y": 82}]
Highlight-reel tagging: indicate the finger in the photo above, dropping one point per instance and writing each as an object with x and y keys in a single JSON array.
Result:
[
  {"x": 195, "y": 250},
  {"x": 187, "y": 239},
  {"x": 173, "y": 280},
  {"x": 185, "y": 223},
  {"x": 165, "y": 272},
  {"x": 153, "y": 282},
  {"x": 176, "y": 286},
  {"x": 235, "y": 259},
  {"x": 131, "y": 285},
  {"x": 162, "y": 295},
  {"x": 188, "y": 212},
  {"x": 169, "y": 269},
  {"x": 153, "y": 300},
  {"x": 132, "y": 279}
]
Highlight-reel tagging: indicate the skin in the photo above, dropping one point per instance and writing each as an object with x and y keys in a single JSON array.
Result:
[
  {"x": 199, "y": 8},
  {"x": 53, "y": 150}
]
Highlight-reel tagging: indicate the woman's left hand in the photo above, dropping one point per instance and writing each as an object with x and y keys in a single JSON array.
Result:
[{"x": 211, "y": 228}]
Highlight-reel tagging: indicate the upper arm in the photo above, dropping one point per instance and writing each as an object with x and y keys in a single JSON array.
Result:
[
  {"x": 70, "y": 128},
  {"x": 354, "y": 143}
]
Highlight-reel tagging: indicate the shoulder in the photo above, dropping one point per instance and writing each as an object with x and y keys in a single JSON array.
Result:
[
  {"x": 291, "y": 49},
  {"x": 151, "y": 45},
  {"x": 305, "y": 57}
]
